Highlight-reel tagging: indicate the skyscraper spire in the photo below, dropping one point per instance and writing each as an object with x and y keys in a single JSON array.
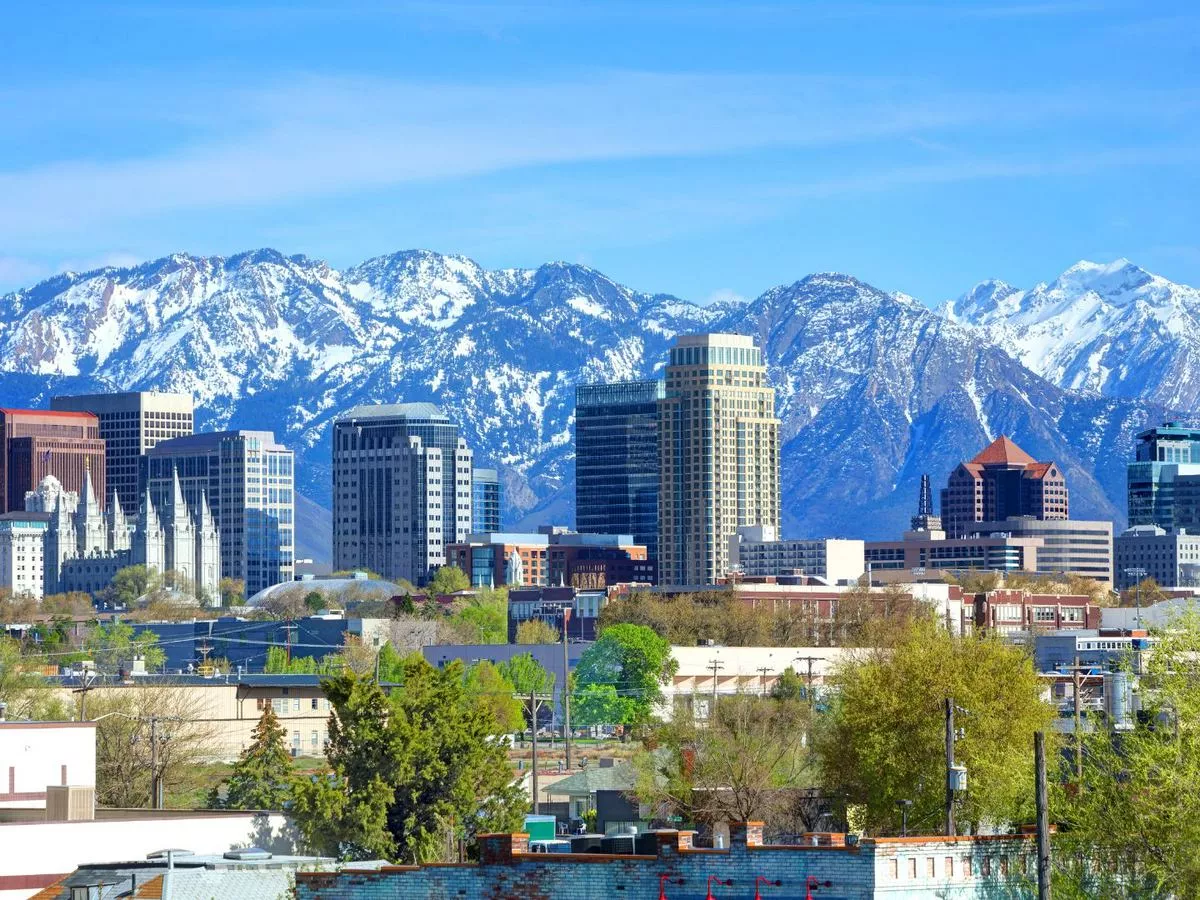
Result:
[{"x": 925, "y": 520}]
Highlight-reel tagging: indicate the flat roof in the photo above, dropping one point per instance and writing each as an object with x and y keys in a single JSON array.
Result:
[{"x": 418, "y": 410}]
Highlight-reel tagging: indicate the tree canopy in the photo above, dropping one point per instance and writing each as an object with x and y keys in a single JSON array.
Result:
[
  {"x": 262, "y": 777},
  {"x": 409, "y": 769},
  {"x": 449, "y": 580},
  {"x": 116, "y": 644},
  {"x": 535, "y": 631},
  {"x": 884, "y": 739},
  {"x": 634, "y": 662}
]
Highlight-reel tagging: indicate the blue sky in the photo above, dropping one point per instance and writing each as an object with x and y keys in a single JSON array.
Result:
[{"x": 702, "y": 149}]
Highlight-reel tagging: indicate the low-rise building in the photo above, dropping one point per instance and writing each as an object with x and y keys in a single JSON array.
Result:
[
  {"x": 549, "y": 605},
  {"x": 1169, "y": 556},
  {"x": 757, "y": 551},
  {"x": 1011, "y": 611},
  {"x": 1069, "y": 546},
  {"x": 927, "y": 553},
  {"x": 37, "y": 755},
  {"x": 552, "y": 557},
  {"x": 668, "y": 866}
]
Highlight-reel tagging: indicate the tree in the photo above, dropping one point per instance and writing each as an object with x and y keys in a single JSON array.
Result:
[
  {"x": 527, "y": 675},
  {"x": 482, "y": 618},
  {"x": 486, "y": 683},
  {"x": 24, "y": 689},
  {"x": 633, "y": 660},
  {"x": 885, "y": 736},
  {"x": 116, "y": 644},
  {"x": 232, "y": 591},
  {"x": 73, "y": 604},
  {"x": 262, "y": 776},
  {"x": 409, "y": 769},
  {"x": 315, "y": 601},
  {"x": 1146, "y": 591},
  {"x": 286, "y": 604},
  {"x": 127, "y": 718},
  {"x": 600, "y": 704},
  {"x": 1131, "y": 828},
  {"x": 449, "y": 580},
  {"x": 744, "y": 764},
  {"x": 130, "y": 584},
  {"x": 789, "y": 686},
  {"x": 536, "y": 631}
]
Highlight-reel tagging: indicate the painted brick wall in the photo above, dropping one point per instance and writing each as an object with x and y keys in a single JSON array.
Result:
[{"x": 894, "y": 869}]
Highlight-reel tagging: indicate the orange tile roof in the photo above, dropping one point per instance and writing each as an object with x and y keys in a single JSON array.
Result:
[
  {"x": 150, "y": 890},
  {"x": 1002, "y": 451},
  {"x": 1038, "y": 470},
  {"x": 50, "y": 891}
]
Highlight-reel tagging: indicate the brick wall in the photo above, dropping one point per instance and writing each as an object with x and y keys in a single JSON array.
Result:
[{"x": 891, "y": 868}]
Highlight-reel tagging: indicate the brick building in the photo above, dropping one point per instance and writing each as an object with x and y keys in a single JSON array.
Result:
[
  {"x": 1002, "y": 481},
  {"x": 1006, "y": 611},
  {"x": 35, "y": 443},
  {"x": 551, "y": 557},
  {"x": 963, "y": 868}
]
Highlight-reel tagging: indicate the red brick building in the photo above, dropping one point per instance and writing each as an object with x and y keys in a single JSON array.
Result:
[
  {"x": 1000, "y": 482},
  {"x": 35, "y": 443}
]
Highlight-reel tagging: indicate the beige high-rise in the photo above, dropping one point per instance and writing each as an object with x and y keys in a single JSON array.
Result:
[{"x": 719, "y": 452}]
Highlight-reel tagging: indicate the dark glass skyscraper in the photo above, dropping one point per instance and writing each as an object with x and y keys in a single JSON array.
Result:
[{"x": 616, "y": 460}]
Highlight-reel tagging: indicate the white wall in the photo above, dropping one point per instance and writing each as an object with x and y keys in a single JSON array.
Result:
[
  {"x": 40, "y": 853},
  {"x": 33, "y": 754}
]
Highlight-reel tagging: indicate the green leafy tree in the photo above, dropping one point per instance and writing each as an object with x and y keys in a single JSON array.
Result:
[
  {"x": 635, "y": 661},
  {"x": 131, "y": 584},
  {"x": 536, "y": 631},
  {"x": 885, "y": 739},
  {"x": 408, "y": 769},
  {"x": 232, "y": 591},
  {"x": 789, "y": 686},
  {"x": 262, "y": 776},
  {"x": 315, "y": 601},
  {"x": 527, "y": 675},
  {"x": 486, "y": 683},
  {"x": 482, "y": 618},
  {"x": 24, "y": 688},
  {"x": 115, "y": 644},
  {"x": 600, "y": 704},
  {"x": 391, "y": 665},
  {"x": 449, "y": 580},
  {"x": 1131, "y": 828}
]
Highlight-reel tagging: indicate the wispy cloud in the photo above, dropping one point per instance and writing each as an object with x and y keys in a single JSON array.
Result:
[{"x": 312, "y": 136}]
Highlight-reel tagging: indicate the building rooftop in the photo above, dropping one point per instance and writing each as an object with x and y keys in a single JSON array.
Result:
[
  {"x": 1003, "y": 452},
  {"x": 395, "y": 410},
  {"x": 211, "y": 439},
  {"x": 52, "y": 413}
]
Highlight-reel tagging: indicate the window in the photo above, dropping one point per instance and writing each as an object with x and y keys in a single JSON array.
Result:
[
  {"x": 930, "y": 869},
  {"x": 895, "y": 869},
  {"x": 316, "y": 704},
  {"x": 912, "y": 868},
  {"x": 949, "y": 867},
  {"x": 296, "y": 705}
]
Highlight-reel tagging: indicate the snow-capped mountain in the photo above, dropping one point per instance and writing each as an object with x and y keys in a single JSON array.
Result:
[
  {"x": 1115, "y": 329},
  {"x": 874, "y": 389}
]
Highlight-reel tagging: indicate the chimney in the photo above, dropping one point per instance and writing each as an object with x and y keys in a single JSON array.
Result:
[
  {"x": 498, "y": 849},
  {"x": 745, "y": 834}
]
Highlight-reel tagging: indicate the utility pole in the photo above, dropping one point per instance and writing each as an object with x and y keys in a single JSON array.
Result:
[
  {"x": 154, "y": 799},
  {"x": 808, "y": 691},
  {"x": 1137, "y": 575},
  {"x": 949, "y": 767},
  {"x": 762, "y": 679},
  {"x": 566, "y": 692},
  {"x": 533, "y": 765},
  {"x": 716, "y": 666},
  {"x": 1043, "y": 816},
  {"x": 1076, "y": 679}
]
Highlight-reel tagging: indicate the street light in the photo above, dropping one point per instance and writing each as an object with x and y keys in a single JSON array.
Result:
[
  {"x": 1137, "y": 575},
  {"x": 663, "y": 880},
  {"x": 711, "y": 878},
  {"x": 763, "y": 879}
]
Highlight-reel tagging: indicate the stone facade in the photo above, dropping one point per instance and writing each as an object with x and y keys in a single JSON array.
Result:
[
  {"x": 830, "y": 867},
  {"x": 86, "y": 545}
]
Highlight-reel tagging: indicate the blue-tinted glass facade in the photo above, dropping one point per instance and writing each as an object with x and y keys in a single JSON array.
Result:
[
  {"x": 616, "y": 460},
  {"x": 486, "y": 500},
  {"x": 1164, "y": 480}
]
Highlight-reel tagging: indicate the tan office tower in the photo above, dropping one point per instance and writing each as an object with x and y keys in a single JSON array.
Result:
[{"x": 719, "y": 452}]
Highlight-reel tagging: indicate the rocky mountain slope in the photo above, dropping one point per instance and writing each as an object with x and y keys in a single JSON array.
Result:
[
  {"x": 874, "y": 389},
  {"x": 1114, "y": 329}
]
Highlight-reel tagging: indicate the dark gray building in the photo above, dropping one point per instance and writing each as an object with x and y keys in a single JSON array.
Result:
[
  {"x": 402, "y": 489},
  {"x": 617, "y": 460},
  {"x": 1164, "y": 478}
]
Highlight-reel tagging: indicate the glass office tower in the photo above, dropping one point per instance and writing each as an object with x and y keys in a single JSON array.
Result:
[
  {"x": 616, "y": 460},
  {"x": 1164, "y": 478},
  {"x": 486, "y": 500}
]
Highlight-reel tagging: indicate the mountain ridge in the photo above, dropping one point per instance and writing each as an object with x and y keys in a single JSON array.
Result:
[{"x": 874, "y": 388}]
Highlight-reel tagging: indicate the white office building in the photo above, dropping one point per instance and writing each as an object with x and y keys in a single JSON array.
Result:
[
  {"x": 22, "y": 550},
  {"x": 756, "y": 551}
]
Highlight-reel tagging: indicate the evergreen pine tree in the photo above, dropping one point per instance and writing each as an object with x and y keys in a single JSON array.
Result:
[{"x": 261, "y": 778}]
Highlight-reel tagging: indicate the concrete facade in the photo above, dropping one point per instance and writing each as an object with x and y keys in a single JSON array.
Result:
[
  {"x": 22, "y": 544},
  {"x": 831, "y": 869},
  {"x": 402, "y": 489},
  {"x": 1069, "y": 546},
  {"x": 1170, "y": 557},
  {"x": 718, "y": 452},
  {"x": 35, "y": 443},
  {"x": 757, "y": 552},
  {"x": 37, "y": 755},
  {"x": 130, "y": 424}
]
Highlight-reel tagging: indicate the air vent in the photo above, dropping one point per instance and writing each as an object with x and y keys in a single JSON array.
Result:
[
  {"x": 174, "y": 851},
  {"x": 248, "y": 853}
]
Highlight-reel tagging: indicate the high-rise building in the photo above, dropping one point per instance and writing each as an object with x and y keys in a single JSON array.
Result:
[
  {"x": 401, "y": 489},
  {"x": 35, "y": 443},
  {"x": 1172, "y": 558},
  {"x": 1069, "y": 546},
  {"x": 1001, "y": 482},
  {"x": 617, "y": 460},
  {"x": 130, "y": 424},
  {"x": 486, "y": 500},
  {"x": 718, "y": 453},
  {"x": 247, "y": 480},
  {"x": 1164, "y": 478}
]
